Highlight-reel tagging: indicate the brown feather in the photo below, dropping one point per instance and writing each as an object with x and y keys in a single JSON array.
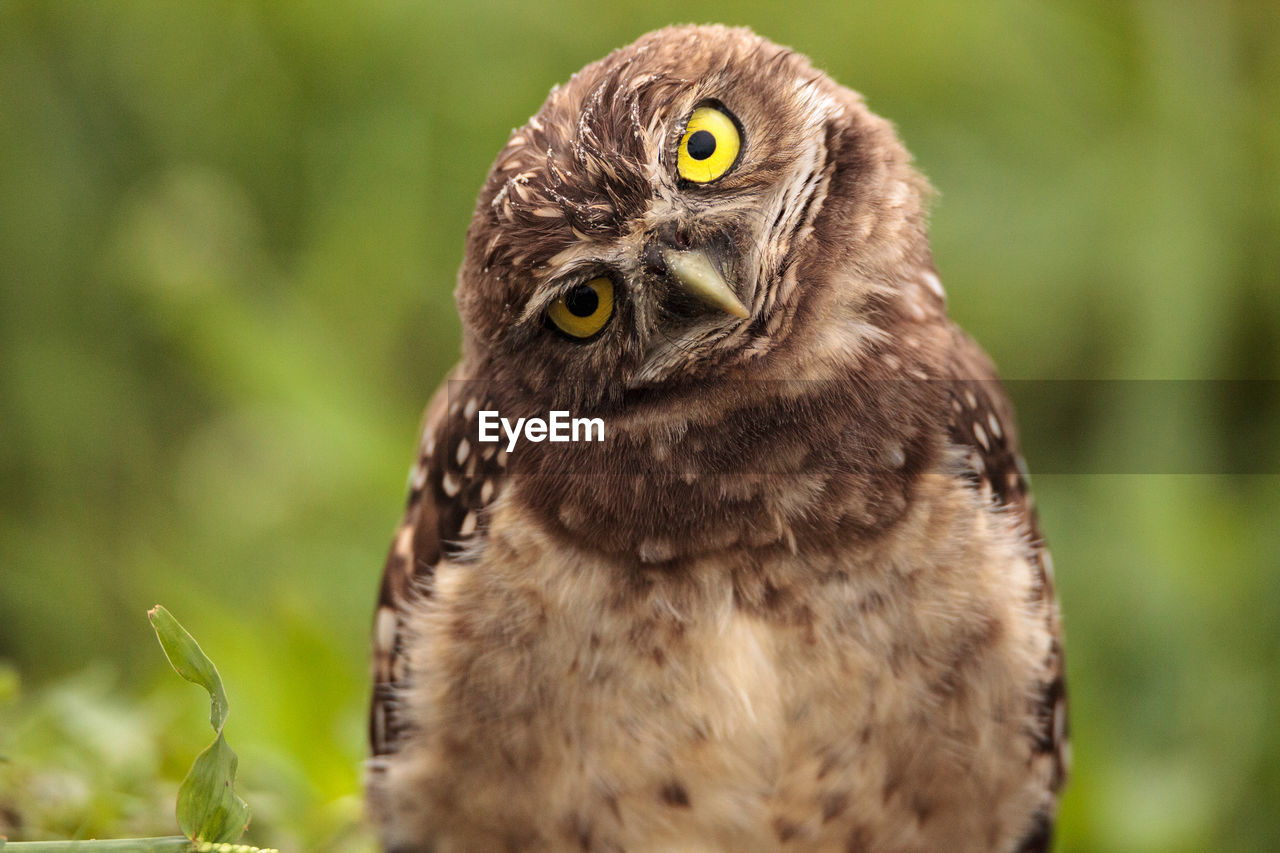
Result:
[
  {"x": 446, "y": 513},
  {"x": 798, "y": 595}
]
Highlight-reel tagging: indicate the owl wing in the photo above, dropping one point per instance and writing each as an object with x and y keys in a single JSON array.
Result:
[
  {"x": 452, "y": 483},
  {"x": 982, "y": 423}
]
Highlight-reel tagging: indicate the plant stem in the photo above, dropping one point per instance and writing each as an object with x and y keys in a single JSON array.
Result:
[{"x": 168, "y": 844}]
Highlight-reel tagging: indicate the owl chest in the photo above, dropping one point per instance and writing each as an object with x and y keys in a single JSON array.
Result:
[
  {"x": 563, "y": 701},
  {"x": 562, "y": 710}
]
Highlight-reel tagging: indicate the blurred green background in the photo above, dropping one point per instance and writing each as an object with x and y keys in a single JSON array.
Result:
[{"x": 228, "y": 238}]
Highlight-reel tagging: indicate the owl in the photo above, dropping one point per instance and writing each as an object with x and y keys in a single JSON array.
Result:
[{"x": 792, "y": 595}]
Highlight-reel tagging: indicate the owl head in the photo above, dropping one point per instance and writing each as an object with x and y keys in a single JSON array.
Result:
[{"x": 700, "y": 205}]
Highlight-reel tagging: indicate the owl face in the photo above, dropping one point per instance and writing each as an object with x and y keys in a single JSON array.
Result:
[{"x": 673, "y": 213}]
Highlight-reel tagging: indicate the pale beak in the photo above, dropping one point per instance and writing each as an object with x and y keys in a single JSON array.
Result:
[{"x": 696, "y": 273}]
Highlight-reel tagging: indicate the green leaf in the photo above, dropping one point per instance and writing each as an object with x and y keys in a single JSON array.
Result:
[
  {"x": 208, "y": 808},
  {"x": 189, "y": 660}
]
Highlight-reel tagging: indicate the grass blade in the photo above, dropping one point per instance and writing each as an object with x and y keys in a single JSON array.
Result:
[{"x": 168, "y": 844}]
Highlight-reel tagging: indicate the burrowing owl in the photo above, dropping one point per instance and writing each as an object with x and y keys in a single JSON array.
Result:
[{"x": 796, "y": 598}]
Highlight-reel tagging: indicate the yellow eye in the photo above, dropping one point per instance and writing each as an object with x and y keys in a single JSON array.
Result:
[
  {"x": 709, "y": 147},
  {"x": 583, "y": 310}
]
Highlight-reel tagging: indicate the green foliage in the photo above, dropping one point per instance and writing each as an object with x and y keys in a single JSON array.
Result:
[
  {"x": 227, "y": 248},
  {"x": 85, "y": 760},
  {"x": 208, "y": 808},
  {"x": 209, "y": 811}
]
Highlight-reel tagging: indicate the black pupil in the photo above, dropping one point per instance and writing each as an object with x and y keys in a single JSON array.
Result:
[
  {"x": 582, "y": 301},
  {"x": 701, "y": 145}
]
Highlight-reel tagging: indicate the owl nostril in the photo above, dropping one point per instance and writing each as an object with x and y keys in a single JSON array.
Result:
[
  {"x": 673, "y": 236},
  {"x": 653, "y": 262}
]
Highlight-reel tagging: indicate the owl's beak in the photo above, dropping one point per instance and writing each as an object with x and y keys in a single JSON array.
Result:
[{"x": 695, "y": 272}]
